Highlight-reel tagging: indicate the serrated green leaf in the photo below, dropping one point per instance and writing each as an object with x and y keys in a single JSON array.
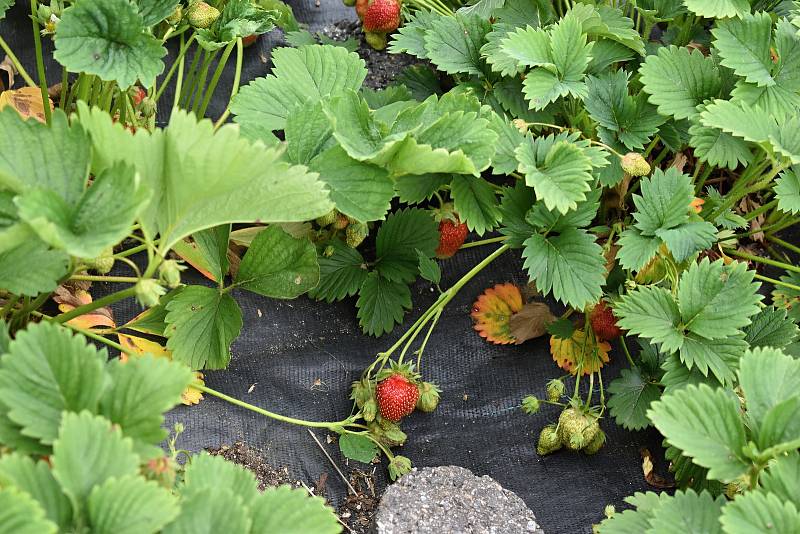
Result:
[
  {"x": 781, "y": 424},
  {"x": 631, "y": 395},
  {"x": 634, "y": 521},
  {"x": 358, "y": 448},
  {"x": 514, "y": 207},
  {"x": 421, "y": 80},
  {"x": 664, "y": 201},
  {"x": 300, "y": 75},
  {"x": 718, "y": 8},
  {"x": 284, "y": 509},
  {"x": 744, "y": 44},
  {"x": 782, "y": 478},
  {"x": 428, "y": 268},
  {"x": 20, "y": 514},
  {"x": 201, "y": 325},
  {"x": 771, "y": 327},
  {"x": 36, "y": 479},
  {"x": 410, "y": 37},
  {"x": 720, "y": 356},
  {"x": 154, "y": 11},
  {"x": 509, "y": 138},
  {"x": 130, "y": 505},
  {"x": 239, "y": 19},
  {"x": 715, "y": 300},
  {"x": 4, "y": 6},
  {"x": 211, "y": 510},
  {"x": 768, "y": 377},
  {"x": 571, "y": 265},
  {"x": 636, "y": 250},
  {"x": 560, "y": 178},
  {"x": 308, "y": 133},
  {"x": 652, "y": 313},
  {"x": 618, "y": 27},
  {"x": 529, "y": 47},
  {"x": 382, "y": 303},
  {"x": 108, "y": 38},
  {"x": 688, "y": 474},
  {"x": 476, "y": 203},
  {"x": 392, "y": 94},
  {"x": 756, "y": 512},
  {"x": 398, "y": 239},
  {"x": 453, "y": 44},
  {"x": 49, "y": 371},
  {"x": 553, "y": 221},
  {"x": 341, "y": 274},
  {"x": 569, "y": 48},
  {"x": 688, "y": 238},
  {"x": 358, "y": 189},
  {"x": 787, "y": 190},
  {"x": 677, "y": 375},
  {"x": 689, "y": 513},
  {"x": 142, "y": 389},
  {"x": 89, "y": 451},
  {"x": 718, "y": 148},
  {"x": 679, "y": 80},
  {"x": 206, "y": 472},
  {"x": 212, "y": 244},
  {"x": 706, "y": 425},
  {"x": 415, "y": 188},
  {"x": 495, "y": 55},
  {"x": 278, "y": 265},
  {"x": 605, "y": 53},
  {"x": 16, "y": 275}
]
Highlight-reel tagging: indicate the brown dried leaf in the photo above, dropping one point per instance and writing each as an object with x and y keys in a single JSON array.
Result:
[
  {"x": 530, "y": 322},
  {"x": 10, "y": 70},
  {"x": 650, "y": 476},
  {"x": 679, "y": 161},
  {"x": 27, "y": 101},
  {"x": 69, "y": 298}
]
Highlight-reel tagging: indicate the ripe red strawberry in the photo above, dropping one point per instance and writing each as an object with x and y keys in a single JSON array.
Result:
[
  {"x": 382, "y": 16},
  {"x": 397, "y": 396},
  {"x": 604, "y": 323},
  {"x": 451, "y": 237}
]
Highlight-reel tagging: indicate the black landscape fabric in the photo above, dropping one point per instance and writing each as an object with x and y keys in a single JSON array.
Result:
[{"x": 298, "y": 358}]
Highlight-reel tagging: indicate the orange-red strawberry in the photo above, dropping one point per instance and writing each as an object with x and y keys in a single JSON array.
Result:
[
  {"x": 397, "y": 396},
  {"x": 451, "y": 237},
  {"x": 361, "y": 8},
  {"x": 604, "y": 323},
  {"x": 250, "y": 39},
  {"x": 382, "y": 16}
]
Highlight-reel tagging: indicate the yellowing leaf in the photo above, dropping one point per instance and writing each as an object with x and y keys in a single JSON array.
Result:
[
  {"x": 579, "y": 352},
  {"x": 493, "y": 310},
  {"x": 190, "y": 395},
  {"x": 27, "y": 101},
  {"x": 188, "y": 252},
  {"x": 69, "y": 299}
]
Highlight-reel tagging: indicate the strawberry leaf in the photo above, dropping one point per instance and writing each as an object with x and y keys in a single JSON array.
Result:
[
  {"x": 428, "y": 268},
  {"x": 759, "y": 512},
  {"x": 631, "y": 396},
  {"x": 341, "y": 274},
  {"x": 154, "y": 11},
  {"x": 453, "y": 44},
  {"x": 211, "y": 510},
  {"x": 16, "y": 275},
  {"x": 36, "y": 479},
  {"x": 689, "y": 512},
  {"x": 118, "y": 503},
  {"x": 212, "y": 244},
  {"x": 768, "y": 377},
  {"x": 718, "y": 8},
  {"x": 108, "y": 38},
  {"x": 514, "y": 207},
  {"x": 399, "y": 237},
  {"x": 787, "y": 189},
  {"x": 358, "y": 448},
  {"x": 19, "y": 512},
  {"x": 771, "y": 327},
  {"x": 475, "y": 202},
  {"x": 284, "y": 509},
  {"x": 382, "y": 303}
]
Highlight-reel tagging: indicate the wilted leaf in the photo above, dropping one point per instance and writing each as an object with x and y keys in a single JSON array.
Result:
[
  {"x": 530, "y": 322},
  {"x": 579, "y": 352},
  {"x": 27, "y": 101},
  {"x": 493, "y": 310},
  {"x": 68, "y": 300}
]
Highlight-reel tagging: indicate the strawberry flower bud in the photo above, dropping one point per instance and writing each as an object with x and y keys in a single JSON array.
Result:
[
  {"x": 399, "y": 466},
  {"x": 428, "y": 397},
  {"x": 148, "y": 292},
  {"x": 530, "y": 405},
  {"x": 634, "y": 164},
  {"x": 169, "y": 272},
  {"x": 520, "y": 125}
]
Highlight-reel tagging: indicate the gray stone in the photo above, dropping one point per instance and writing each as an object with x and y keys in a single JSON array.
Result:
[{"x": 451, "y": 499}]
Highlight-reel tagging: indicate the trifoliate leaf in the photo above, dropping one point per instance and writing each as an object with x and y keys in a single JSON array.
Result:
[
  {"x": 36, "y": 479},
  {"x": 787, "y": 190},
  {"x": 492, "y": 312},
  {"x": 652, "y": 313},
  {"x": 689, "y": 513},
  {"x": 382, "y": 303},
  {"x": 475, "y": 202},
  {"x": 398, "y": 239},
  {"x": 284, "y": 509},
  {"x": 341, "y": 273},
  {"x": 570, "y": 264},
  {"x": 718, "y": 8},
  {"x": 278, "y": 265},
  {"x": 759, "y": 512},
  {"x": 744, "y": 44},
  {"x": 21, "y": 514},
  {"x": 201, "y": 325},
  {"x": 89, "y": 451},
  {"x": 579, "y": 353},
  {"x": 771, "y": 327},
  {"x": 560, "y": 177},
  {"x": 569, "y": 48},
  {"x": 47, "y": 372},
  {"x": 108, "y": 38},
  {"x": 705, "y": 424},
  {"x": 679, "y": 80},
  {"x": 358, "y": 448},
  {"x": 631, "y": 395},
  {"x": 129, "y": 505},
  {"x": 716, "y": 300},
  {"x": 300, "y": 75},
  {"x": 453, "y": 44}
]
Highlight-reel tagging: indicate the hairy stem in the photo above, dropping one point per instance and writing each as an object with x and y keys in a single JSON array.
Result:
[{"x": 37, "y": 43}]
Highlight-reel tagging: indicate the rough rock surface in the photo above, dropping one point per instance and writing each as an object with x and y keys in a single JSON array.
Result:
[{"x": 451, "y": 499}]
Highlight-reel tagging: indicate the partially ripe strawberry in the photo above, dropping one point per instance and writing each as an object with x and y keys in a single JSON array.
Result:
[
  {"x": 451, "y": 237},
  {"x": 382, "y": 16},
  {"x": 250, "y": 39},
  {"x": 361, "y": 8},
  {"x": 397, "y": 397},
  {"x": 604, "y": 323}
]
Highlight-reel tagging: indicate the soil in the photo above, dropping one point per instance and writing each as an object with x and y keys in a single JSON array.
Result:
[
  {"x": 356, "y": 511},
  {"x": 382, "y": 67}
]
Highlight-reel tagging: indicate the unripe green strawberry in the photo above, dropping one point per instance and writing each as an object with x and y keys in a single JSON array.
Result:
[
  {"x": 148, "y": 292},
  {"x": 555, "y": 388},
  {"x": 176, "y": 17},
  {"x": 355, "y": 234},
  {"x": 341, "y": 221},
  {"x": 103, "y": 263},
  {"x": 327, "y": 219},
  {"x": 548, "y": 441},
  {"x": 530, "y": 405},
  {"x": 576, "y": 429},
  {"x": 369, "y": 410},
  {"x": 329, "y": 251},
  {"x": 428, "y": 397},
  {"x": 597, "y": 442},
  {"x": 201, "y": 15},
  {"x": 634, "y": 164},
  {"x": 399, "y": 466},
  {"x": 375, "y": 40}
]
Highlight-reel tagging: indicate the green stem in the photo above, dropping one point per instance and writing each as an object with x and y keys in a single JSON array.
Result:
[
  {"x": 200, "y": 83},
  {"x": 212, "y": 85},
  {"x": 627, "y": 352},
  {"x": 484, "y": 242},
  {"x": 10, "y": 303},
  {"x": 739, "y": 192},
  {"x": 784, "y": 244},
  {"x": 237, "y": 77},
  {"x": 273, "y": 415},
  {"x": 177, "y": 64},
  {"x": 62, "y": 99},
  {"x": 117, "y": 279},
  {"x": 17, "y": 65},
  {"x": 99, "y": 303},
  {"x": 102, "y": 339},
  {"x": 761, "y": 209},
  {"x": 190, "y": 76},
  {"x": 37, "y": 43},
  {"x": 765, "y": 261},
  {"x": 777, "y": 282},
  {"x": 131, "y": 251},
  {"x": 427, "y": 336}
]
